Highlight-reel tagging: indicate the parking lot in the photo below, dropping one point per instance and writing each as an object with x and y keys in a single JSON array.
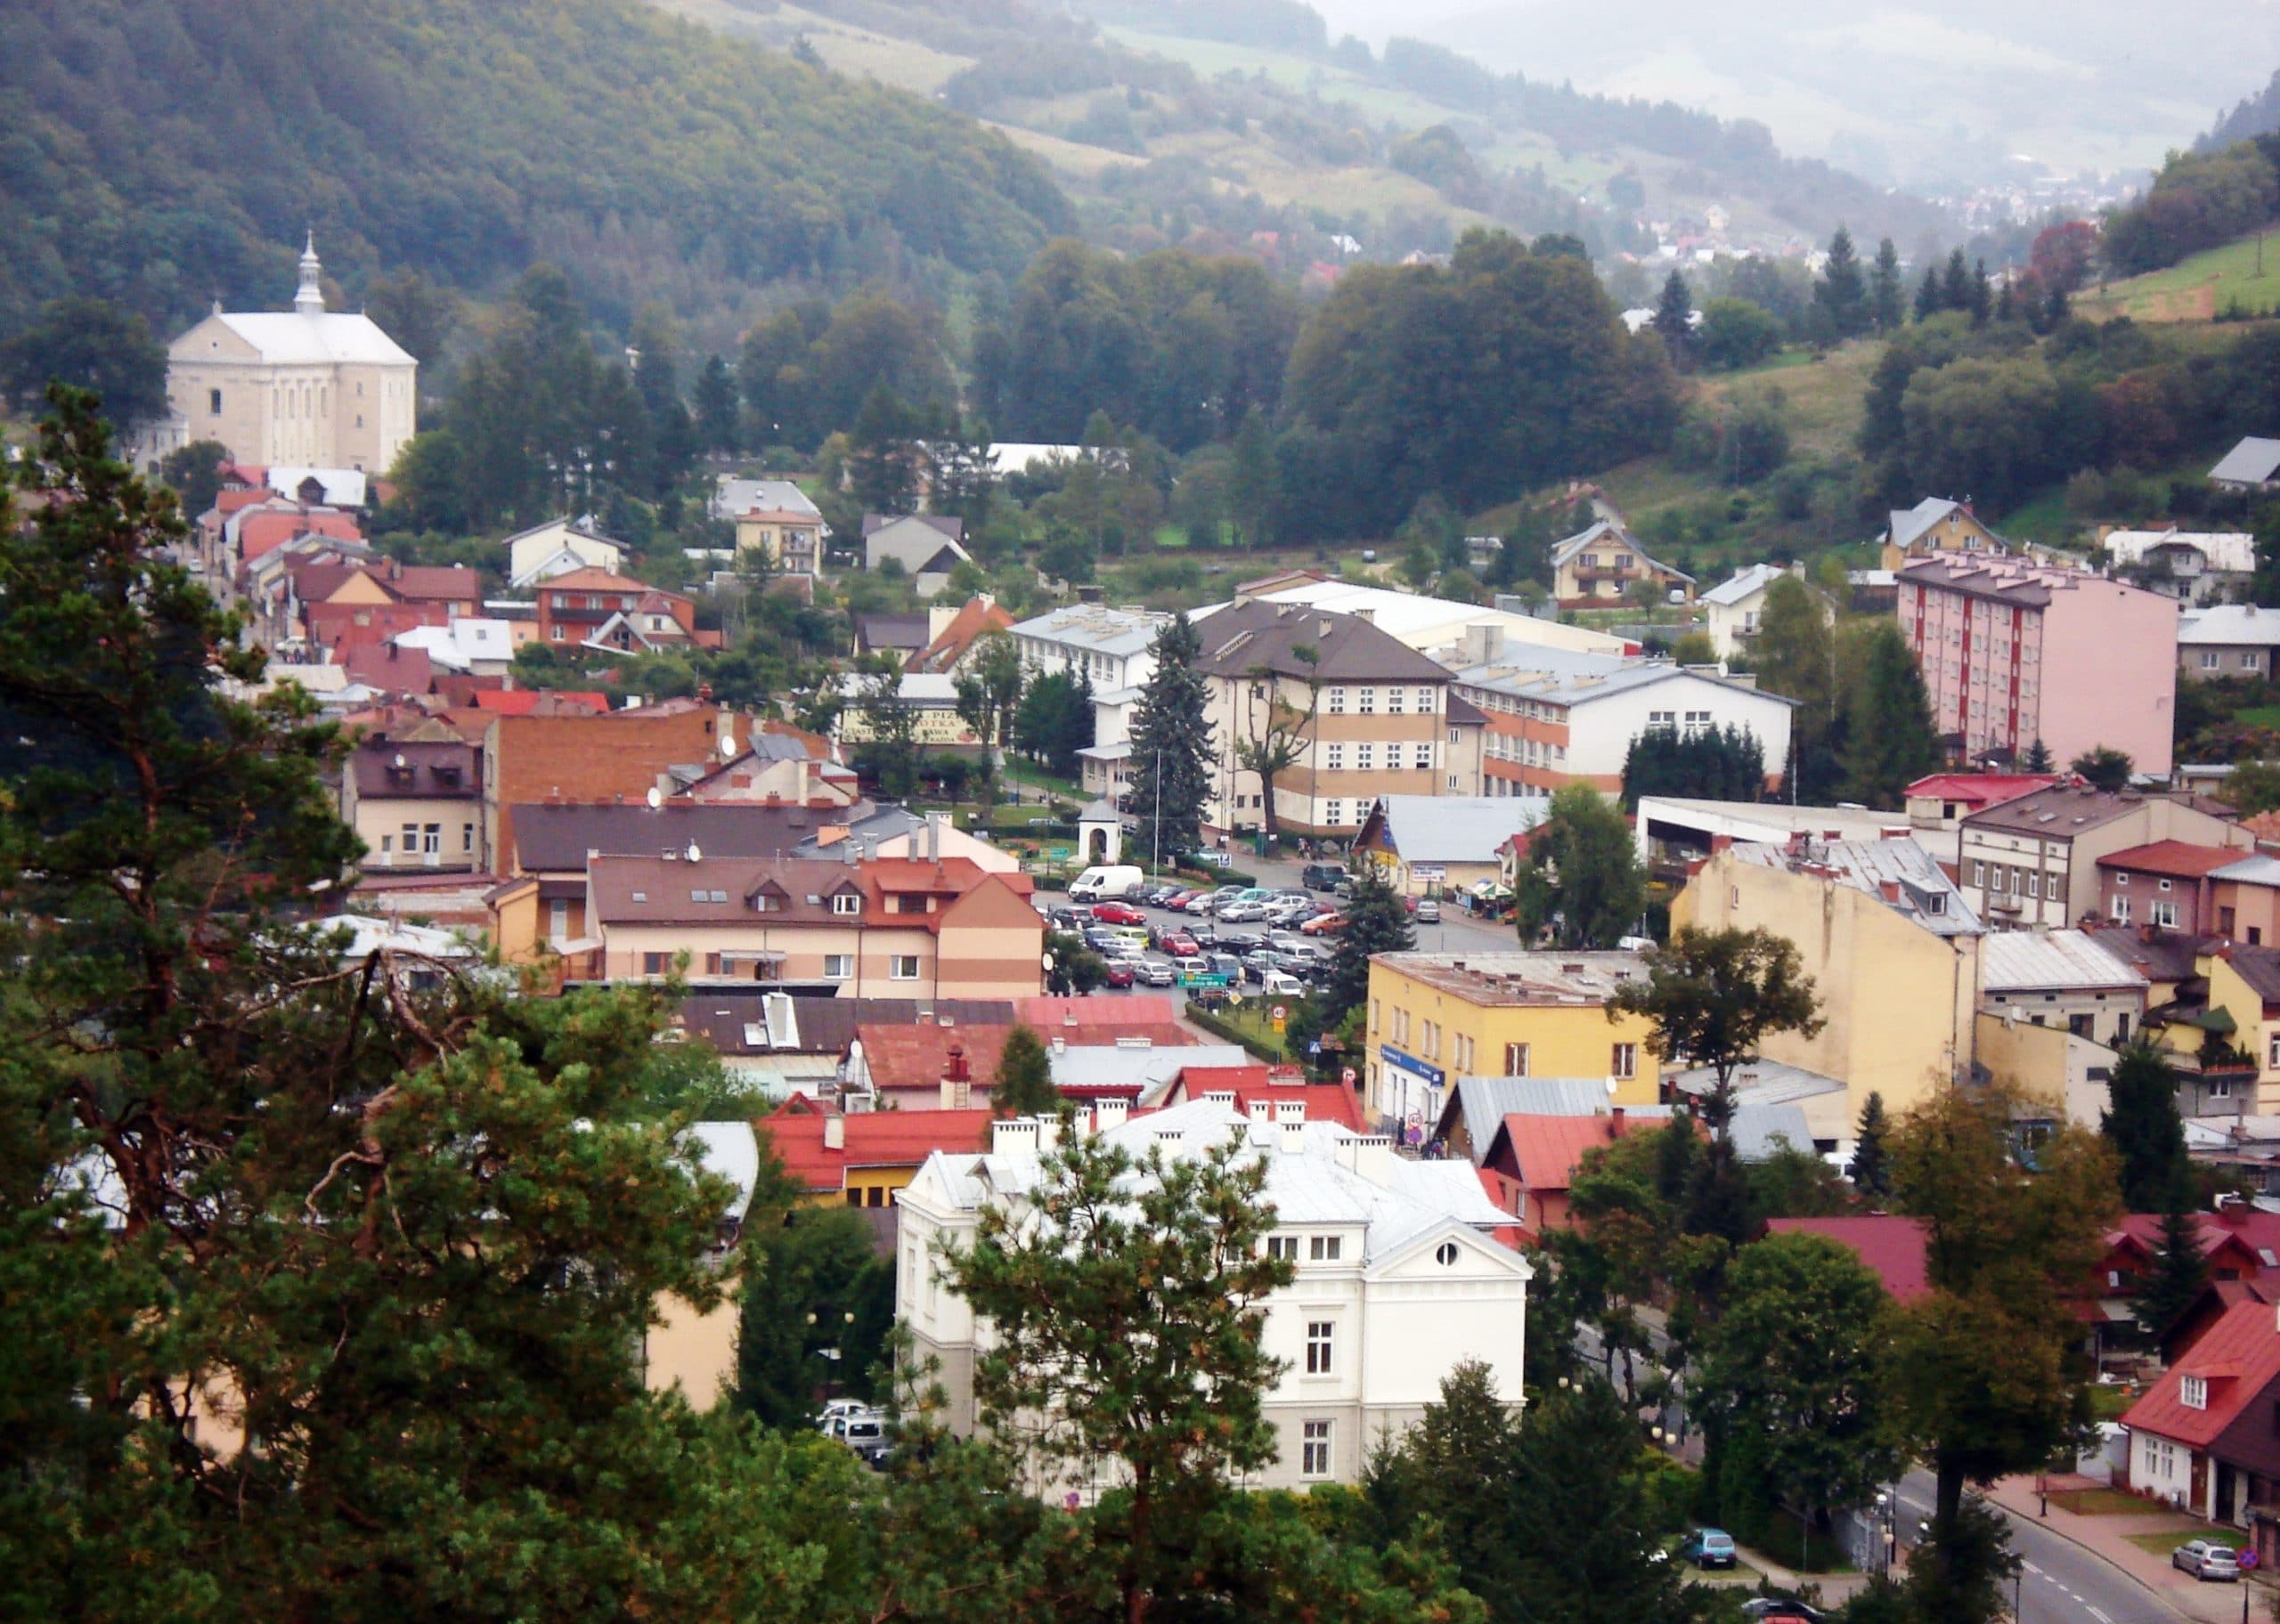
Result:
[{"x": 1191, "y": 942}]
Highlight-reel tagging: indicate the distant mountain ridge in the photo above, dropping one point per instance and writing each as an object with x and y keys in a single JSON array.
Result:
[{"x": 164, "y": 152}]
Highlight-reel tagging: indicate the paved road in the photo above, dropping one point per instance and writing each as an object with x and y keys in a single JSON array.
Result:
[{"x": 2064, "y": 1584}]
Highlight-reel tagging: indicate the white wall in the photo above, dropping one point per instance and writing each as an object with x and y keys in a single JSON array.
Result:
[{"x": 1601, "y": 733}]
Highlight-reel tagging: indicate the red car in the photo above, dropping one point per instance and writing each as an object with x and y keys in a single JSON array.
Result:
[
  {"x": 1119, "y": 972},
  {"x": 1118, "y": 914},
  {"x": 1181, "y": 945},
  {"x": 1322, "y": 924}
]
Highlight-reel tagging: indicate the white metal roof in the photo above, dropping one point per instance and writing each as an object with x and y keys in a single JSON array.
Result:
[
  {"x": 2233, "y": 551},
  {"x": 1095, "y": 628},
  {"x": 343, "y": 487},
  {"x": 2050, "y": 961},
  {"x": 2258, "y": 870},
  {"x": 2229, "y": 626},
  {"x": 1457, "y": 828},
  {"x": 1746, "y": 585},
  {"x": 293, "y": 337},
  {"x": 1427, "y": 623},
  {"x": 2252, "y": 462}
]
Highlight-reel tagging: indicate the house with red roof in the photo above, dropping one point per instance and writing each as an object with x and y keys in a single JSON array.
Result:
[
  {"x": 1538, "y": 1156},
  {"x": 1268, "y": 1093},
  {"x": 2164, "y": 883},
  {"x": 1942, "y": 799},
  {"x": 2238, "y": 1244},
  {"x": 2206, "y": 1437},
  {"x": 1893, "y": 1246},
  {"x": 334, "y": 629},
  {"x": 867, "y": 1159},
  {"x": 946, "y": 653},
  {"x": 925, "y": 1066},
  {"x": 597, "y": 608}
]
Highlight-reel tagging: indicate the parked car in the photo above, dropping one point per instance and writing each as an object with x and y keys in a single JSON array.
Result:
[
  {"x": 1240, "y": 942},
  {"x": 1178, "y": 898},
  {"x": 1224, "y": 965},
  {"x": 1238, "y": 912},
  {"x": 1181, "y": 945},
  {"x": 1321, "y": 876},
  {"x": 1428, "y": 911},
  {"x": 868, "y": 1437},
  {"x": 1281, "y": 984},
  {"x": 1070, "y": 919},
  {"x": 1322, "y": 924},
  {"x": 1182, "y": 969},
  {"x": 1121, "y": 973},
  {"x": 1118, "y": 914},
  {"x": 1202, "y": 902},
  {"x": 2208, "y": 1559},
  {"x": 1199, "y": 932},
  {"x": 1708, "y": 1547},
  {"x": 1781, "y": 1610},
  {"x": 1156, "y": 972},
  {"x": 839, "y": 1410}
]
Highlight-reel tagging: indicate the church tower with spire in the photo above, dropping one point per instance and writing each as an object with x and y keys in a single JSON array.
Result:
[{"x": 309, "y": 300}]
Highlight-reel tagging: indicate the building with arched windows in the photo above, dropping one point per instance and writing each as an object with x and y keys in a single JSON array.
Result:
[{"x": 307, "y": 387}]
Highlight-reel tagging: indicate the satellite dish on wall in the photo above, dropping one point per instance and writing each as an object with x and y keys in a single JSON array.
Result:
[
  {"x": 657, "y": 797},
  {"x": 694, "y": 856}
]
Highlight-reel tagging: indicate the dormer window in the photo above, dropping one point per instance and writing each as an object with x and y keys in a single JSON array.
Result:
[
  {"x": 847, "y": 902},
  {"x": 2192, "y": 1393}
]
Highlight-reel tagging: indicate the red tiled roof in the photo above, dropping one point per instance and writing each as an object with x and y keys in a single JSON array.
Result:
[
  {"x": 2255, "y": 1231},
  {"x": 2238, "y": 1358},
  {"x": 872, "y": 1139},
  {"x": 262, "y": 532},
  {"x": 388, "y": 668},
  {"x": 1893, "y": 1246},
  {"x": 968, "y": 624},
  {"x": 2180, "y": 859},
  {"x": 1060, "y": 1017},
  {"x": 1979, "y": 789},
  {"x": 1547, "y": 1149},
  {"x": 592, "y": 577},
  {"x": 1323, "y": 1101},
  {"x": 909, "y": 1056}
]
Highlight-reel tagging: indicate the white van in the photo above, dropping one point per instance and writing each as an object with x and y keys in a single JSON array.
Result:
[{"x": 1100, "y": 884}]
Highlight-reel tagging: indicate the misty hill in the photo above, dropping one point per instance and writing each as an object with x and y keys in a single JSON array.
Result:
[
  {"x": 162, "y": 153},
  {"x": 1163, "y": 118},
  {"x": 1919, "y": 92}
]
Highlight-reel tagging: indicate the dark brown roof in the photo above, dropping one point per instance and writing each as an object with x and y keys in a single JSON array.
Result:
[
  {"x": 552, "y": 839},
  {"x": 718, "y": 891},
  {"x": 431, "y": 771},
  {"x": 2066, "y": 809},
  {"x": 904, "y": 631},
  {"x": 1247, "y": 636},
  {"x": 827, "y": 1026},
  {"x": 2259, "y": 967},
  {"x": 1463, "y": 713},
  {"x": 2009, "y": 583},
  {"x": 2158, "y": 955}
]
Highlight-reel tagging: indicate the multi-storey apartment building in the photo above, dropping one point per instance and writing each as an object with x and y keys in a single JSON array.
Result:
[
  {"x": 2012, "y": 652},
  {"x": 1358, "y": 714},
  {"x": 2033, "y": 860}
]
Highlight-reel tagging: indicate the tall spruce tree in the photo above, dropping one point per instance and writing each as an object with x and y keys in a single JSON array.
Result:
[
  {"x": 2174, "y": 1279},
  {"x": 1870, "y": 1168},
  {"x": 1927, "y": 294},
  {"x": 1889, "y": 737},
  {"x": 1171, "y": 747},
  {"x": 1955, "y": 282},
  {"x": 2038, "y": 758},
  {"x": 1022, "y": 1084},
  {"x": 1887, "y": 297},
  {"x": 1841, "y": 291},
  {"x": 1377, "y": 921},
  {"x": 2147, "y": 1135},
  {"x": 1674, "y": 321}
]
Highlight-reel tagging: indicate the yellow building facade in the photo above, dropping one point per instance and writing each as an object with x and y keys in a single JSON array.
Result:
[{"x": 1435, "y": 1018}]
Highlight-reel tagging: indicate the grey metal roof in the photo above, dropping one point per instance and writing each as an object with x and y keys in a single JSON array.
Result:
[
  {"x": 2051, "y": 960},
  {"x": 2258, "y": 870},
  {"x": 1745, "y": 585},
  {"x": 1760, "y": 1082},
  {"x": 1456, "y": 828},
  {"x": 2252, "y": 462},
  {"x": 2229, "y": 626},
  {"x": 1257, "y": 635},
  {"x": 1868, "y": 866},
  {"x": 1909, "y": 525},
  {"x": 556, "y": 839},
  {"x": 1760, "y": 1130},
  {"x": 1484, "y": 1102},
  {"x": 733, "y": 498},
  {"x": 1573, "y": 682},
  {"x": 1095, "y": 628}
]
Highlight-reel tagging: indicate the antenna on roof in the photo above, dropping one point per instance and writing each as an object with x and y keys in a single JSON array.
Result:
[{"x": 693, "y": 854}]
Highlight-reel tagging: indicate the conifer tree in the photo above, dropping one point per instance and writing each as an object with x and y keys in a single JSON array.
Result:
[
  {"x": 1889, "y": 739},
  {"x": 1982, "y": 294},
  {"x": 1022, "y": 1084},
  {"x": 2143, "y": 1126},
  {"x": 2178, "y": 1271},
  {"x": 1377, "y": 921},
  {"x": 1871, "y": 1169},
  {"x": 719, "y": 419},
  {"x": 1955, "y": 282},
  {"x": 1674, "y": 321},
  {"x": 2038, "y": 758},
  {"x": 1887, "y": 299},
  {"x": 1171, "y": 747},
  {"x": 1841, "y": 291},
  {"x": 1927, "y": 294}
]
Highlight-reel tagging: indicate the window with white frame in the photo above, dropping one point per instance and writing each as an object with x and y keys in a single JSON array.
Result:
[
  {"x": 1396, "y": 701},
  {"x": 2251, "y": 660},
  {"x": 2192, "y": 1393},
  {"x": 1425, "y": 756},
  {"x": 1425, "y": 705},
  {"x": 2164, "y": 914},
  {"x": 903, "y": 967},
  {"x": 1334, "y": 813},
  {"x": 1516, "y": 1060},
  {"x": 2121, "y": 910},
  {"x": 2210, "y": 658},
  {"x": 1365, "y": 757},
  {"x": 1324, "y": 1249},
  {"x": 1334, "y": 757},
  {"x": 1697, "y": 720},
  {"x": 1314, "y": 1450},
  {"x": 838, "y": 966},
  {"x": 1366, "y": 701},
  {"x": 1337, "y": 702},
  {"x": 1321, "y": 1347},
  {"x": 1625, "y": 1060},
  {"x": 1282, "y": 1246},
  {"x": 847, "y": 902},
  {"x": 2272, "y": 1050}
]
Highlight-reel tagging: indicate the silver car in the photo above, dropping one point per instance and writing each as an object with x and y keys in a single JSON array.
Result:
[{"x": 2208, "y": 1559}]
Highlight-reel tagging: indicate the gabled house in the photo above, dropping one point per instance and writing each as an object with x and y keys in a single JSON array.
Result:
[
  {"x": 1539, "y": 1156},
  {"x": 2251, "y": 465},
  {"x": 1733, "y": 609},
  {"x": 927, "y": 546},
  {"x": 416, "y": 805},
  {"x": 1896, "y": 1248},
  {"x": 1605, "y": 562},
  {"x": 2193, "y": 566},
  {"x": 1934, "y": 525},
  {"x": 2220, "y": 640},
  {"x": 595, "y": 608},
  {"x": 557, "y": 547},
  {"x": 2206, "y": 1437}
]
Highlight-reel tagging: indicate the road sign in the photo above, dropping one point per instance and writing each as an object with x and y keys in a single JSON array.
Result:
[
  {"x": 1279, "y": 1011},
  {"x": 1314, "y": 1049},
  {"x": 1279, "y": 1023},
  {"x": 2247, "y": 1558},
  {"x": 1346, "y": 1076}
]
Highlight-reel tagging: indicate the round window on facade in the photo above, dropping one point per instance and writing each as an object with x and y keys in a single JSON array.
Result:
[{"x": 1446, "y": 1254}]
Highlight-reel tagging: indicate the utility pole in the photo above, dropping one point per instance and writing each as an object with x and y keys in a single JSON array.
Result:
[{"x": 1156, "y": 825}]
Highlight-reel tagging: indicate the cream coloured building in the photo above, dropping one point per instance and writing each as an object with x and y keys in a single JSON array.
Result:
[
  {"x": 1399, "y": 1276},
  {"x": 308, "y": 387}
]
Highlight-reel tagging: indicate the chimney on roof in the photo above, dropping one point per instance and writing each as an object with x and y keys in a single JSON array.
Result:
[
  {"x": 1322, "y": 626},
  {"x": 957, "y": 1081},
  {"x": 1061, "y": 1044},
  {"x": 1890, "y": 889},
  {"x": 835, "y": 1131},
  {"x": 1895, "y": 832},
  {"x": 1111, "y": 1111},
  {"x": 1294, "y": 1136},
  {"x": 1616, "y": 1120},
  {"x": 1365, "y": 614}
]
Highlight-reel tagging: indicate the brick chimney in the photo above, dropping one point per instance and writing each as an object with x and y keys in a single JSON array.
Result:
[
  {"x": 957, "y": 1081},
  {"x": 1616, "y": 1120}
]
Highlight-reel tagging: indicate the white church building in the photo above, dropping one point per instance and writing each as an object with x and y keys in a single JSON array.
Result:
[{"x": 310, "y": 388}]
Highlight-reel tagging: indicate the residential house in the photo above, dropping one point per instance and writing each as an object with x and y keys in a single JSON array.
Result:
[
  {"x": 2251, "y": 465},
  {"x": 563, "y": 756},
  {"x": 1265, "y": 1093},
  {"x": 1732, "y": 609},
  {"x": 1605, "y": 563},
  {"x": 1889, "y": 943},
  {"x": 958, "y": 633},
  {"x": 2012, "y": 652},
  {"x": 921, "y": 1065},
  {"x": 2165, "y": 883},
  {"x": 864, "y": 1158},
  {"x": 1938, "y": 803},
  {"x": 775, "y": 766},
  {"x": 1673, "y": 831},
  {"x": 896, "y": 926},
  {"x": 1576, "y": 724},
  {"x": 1354, "y": 713},
  {"x": 926, "y": 546},
  {"x": 1436, "y": 1017},
  {"x": 333, "y": 629},
  {"x": 2202, "y": 1437},
  {"x": 899, "y": 634},
  {"x": 474, "y": 646},
  {"x": 2244, "y": 900},
  {"x": 1896, "y": 1248},
  {"x": 1113, "y": 649},
  {"x": 778, "y": 1043},
  {"x": 593, "y": 608},
  {"x": 1475, "y": 1107},
  {"x": 2228, "y": 640},
  {"x": 1399, "y": 1277},
  {"x": 2238, "y": 1245},
  {"x": 415, "y": 803},
  {"x": 1934, "y": 526},
  {"x": 308, "y": 387},
  {"x": 557, "y": 547},
  {"x": 1537, "y": 1158},
  {"x": 1441, "y": 845},
  {"x": 932, "y": 700},
  {"x": 2226, "y": 1041},
  {"x": 2195, "y": 566},
  {"x": 1439, "y": 627},
  {"x": 774, "y": 519},
  {"x": 2033, "y": 860},
  {"x": 2062, "y": 978}
]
